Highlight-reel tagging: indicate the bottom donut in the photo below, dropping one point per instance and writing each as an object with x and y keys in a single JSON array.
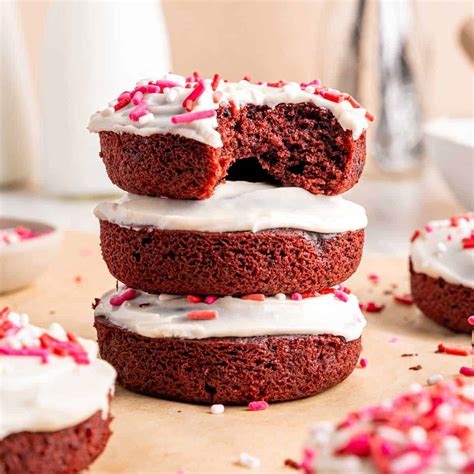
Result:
[
  {"x": 238, "y": 355},
  {"x": 69, "y": 450}
]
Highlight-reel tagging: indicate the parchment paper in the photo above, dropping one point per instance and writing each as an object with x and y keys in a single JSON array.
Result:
[{"x": 152, "y": 435}]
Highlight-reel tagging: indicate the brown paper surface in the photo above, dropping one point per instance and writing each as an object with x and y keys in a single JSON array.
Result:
[{"x": 151, "y": 435}]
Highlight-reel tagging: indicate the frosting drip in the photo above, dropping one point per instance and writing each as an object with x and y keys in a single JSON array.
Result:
[
  {"x": 167, "y": 102},
  {"x": 441, "y": 250},
  {"x": 149, "y": 316},
  {"x": 52, "y": 395},
  {"x": 239, "y": 206}
]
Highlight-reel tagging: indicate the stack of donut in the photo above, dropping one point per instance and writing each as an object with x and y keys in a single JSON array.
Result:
[{"x": 233, "y": 242}]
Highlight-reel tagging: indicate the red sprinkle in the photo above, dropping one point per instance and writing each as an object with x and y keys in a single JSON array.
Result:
[
  {"x": 415, "y": 235},
  {"x": 404, "y": 299},
  {"x": 202, "y": 315},
  {"x": 77, "y": 279},
  {"x": 192, "y": 116},
  {"x": 470, "y": 320},
  {"x": 210, "y": 299},
  {"x": 215, "y": 81},
  {"x": 370, "y": 117},
  {"x": 254, "y": 297},
  {"x": 195, "y": 93},
  {"x": 363, "y": 363},
  {"x": 468, "y": 243},
  {"x": 372, "y": 307},
  {"x": 194, "y": 299},
  {"x": 453, "y": 350},
  {"x": 117, "y": 300},
  {"x": 467, "y": 371},
  {"x": 309, "y": 294},
  {"x": 121, "y": 103},
  {"x": 374, "y": 277},
  {"x": 258, "y": 405},
  {"x": 327, "y": 291}
]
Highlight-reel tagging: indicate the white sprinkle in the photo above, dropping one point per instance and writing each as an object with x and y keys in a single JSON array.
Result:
[
  {"x": 165, "y": 297},
  {"x": 107, "y": 112},
  {"x": 251, "y": 462},
  {"x": 434, "y": 379},
  {"x": 405, "y": 462},
  {"x": 113, "y": 103},
  {"x": 441, "y": 247},
  {"x": 310, "y": 89},
  {"x": 171, "y": 96},
  {"x": 15, "y": 318},
  {"x": 166, "y": 90},
  {"x": 144, "y": 119},
  {"x": 280, "y": 296},
  {"x": 417, "y": 434},
  {"x": 217, "y": 409},
  {"x": 56, "y": 330},
  {"x": 451, "y": 444}
]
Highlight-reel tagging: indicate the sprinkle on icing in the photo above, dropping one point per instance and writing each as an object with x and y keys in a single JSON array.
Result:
[
  {"x": 187, "y": 106},
  {"x": 445, "y": 249},
  {"x": 19, "y": 338},
  {"x": 424, "y": 430},
  {"x": 190, "y": 317}
]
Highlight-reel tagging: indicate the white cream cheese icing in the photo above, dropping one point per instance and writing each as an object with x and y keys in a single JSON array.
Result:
[
  {"x": 164, "y": 105},
  {"x": 150, "y": 316},
  {"x": 50, "y": 396},
  {"x": 439, "y": 252},
  {"x": 239, "y": 206}
]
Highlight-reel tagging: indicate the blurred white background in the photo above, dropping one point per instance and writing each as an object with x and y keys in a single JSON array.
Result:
[{"x": 62, "y": 60}]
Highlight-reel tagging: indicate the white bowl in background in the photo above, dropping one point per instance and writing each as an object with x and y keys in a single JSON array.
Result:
[
  {"x": 450, "y": 144},
  {"x": 22, "y": 262}
]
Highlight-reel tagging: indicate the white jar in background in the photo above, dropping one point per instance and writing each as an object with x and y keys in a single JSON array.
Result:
[
  {"x": 19, "y": 123},
  {"x": 90, "y": 53}
]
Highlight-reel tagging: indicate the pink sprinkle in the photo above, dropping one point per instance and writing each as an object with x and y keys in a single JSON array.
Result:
[
  {"x": 450, "y": 237},
  {"x": 428, "y": 228},
  {"x": 117, "y": 300},
  {"x": 297, "y": 296},
  {"x": 363, "y": 363},
  {"x": 192, "y": 116},
  {"x": 202, "y": 315},
  {"x": 340, "y": 295},
  {"x": 138, "y": 111},
  {"x": 467, "y": 371},
  {"x": 393, "y": 339},
  {"x": 210, "y": 299},
  {"x": 164, "y": 84},
  {"x": 195, "y": 93},
  {"x": 308, "y": 457},
  {"x": 374, "y": 277},
  {"x": 43, "y": 353},
  {"x": 258, "y": 405},
  {"x": 137, "y": 97},
  {"x": 470, "y": 320}
]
